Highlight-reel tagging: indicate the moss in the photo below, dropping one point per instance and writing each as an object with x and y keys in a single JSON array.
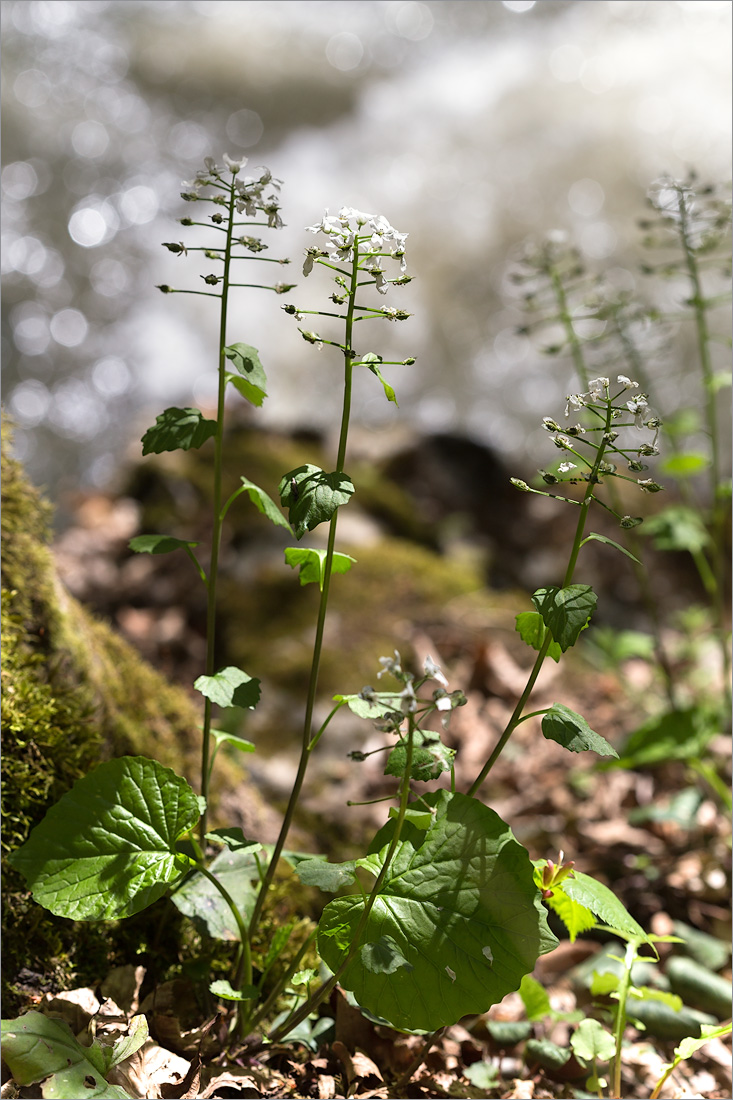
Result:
[{"x": 73, "y": 694}]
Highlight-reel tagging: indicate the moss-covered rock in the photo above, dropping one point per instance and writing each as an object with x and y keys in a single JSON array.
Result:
[{"x": 74, "y": 694}]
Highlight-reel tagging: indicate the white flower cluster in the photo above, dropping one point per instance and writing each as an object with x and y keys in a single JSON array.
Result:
[
  {"x": 375, "y": 236},
  {"x": 250, "y": 189}
]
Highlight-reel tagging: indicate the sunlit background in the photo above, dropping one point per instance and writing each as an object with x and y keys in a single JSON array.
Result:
[{"x": 471, "y": 124}]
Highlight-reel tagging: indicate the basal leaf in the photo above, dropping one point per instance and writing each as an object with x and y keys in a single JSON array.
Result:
[
  {"x": 107, "y": 849},
  {"x": 250, "y": 379},
  {"x": 199, "y": 899},
  {"x": 312, "y": 496},
  {"x": 565, "y": 611},
  {"x": 458, "y": 905},
  {"x": 230, "y": 687},
  {"x": 158, "y": 544},
  {"x": 178, "y": 430},
  {"x": 534, "y": 998},
  {"x": 224, "y": 990},
  {"x": 329, "y": 877},
  {"x": 532, "y": 630},
  {"x": 570, "y": 730},
  {"x": 603, "y": 902},
  {"x": 264, "y": 503},
  {"x": 593, "y": 536},
  {"x": 313, "y": 563},
  {"x": 675, "y": 735},
  {"x": 591, "y": 1042},
  {"x": 234, "y": 839}
]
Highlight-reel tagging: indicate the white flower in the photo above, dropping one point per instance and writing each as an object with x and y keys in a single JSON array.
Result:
[
  {"x": 575, "y": 401},
  {"x": 638, "y": 406},
  {"x": 233, "y": 164},
  {"x": 347, "y": 213},
  {"x": 597, "y": 386},
  {"x": 624, "y": 381},
  {"x": 390, "y": 664},
  {"x": 434, "y": 672},
  {"x": 563, "y": 443},
  {"x": 565, "y": 467}
]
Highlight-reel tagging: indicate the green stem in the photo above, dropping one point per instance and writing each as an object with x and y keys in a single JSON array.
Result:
[
  {"x": 308, "y": 741},
  {"x": 620, "y": 1023},
  {"x": 320, "y": 994},
  {"x": 244, "y": 969},
  {"x": 217, "y": 523},
  {"x": 516, "y": 716}
]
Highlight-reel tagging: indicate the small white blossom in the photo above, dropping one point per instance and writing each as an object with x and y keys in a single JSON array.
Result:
[
  {"x": 575, "y": 401},
  {"x": 434, "y": 672},
  {"x": 624, "y": 381},
  {"x": 390, "y": 664},
  {"x": 597, "y": 386},
  {"x": 565, "y": 467},
  {"x": 444, "y": 703},
  {"x": 563, "y": 443},
  {"x": 638, "y": 406},
  {"x": 234, "y": 164}
]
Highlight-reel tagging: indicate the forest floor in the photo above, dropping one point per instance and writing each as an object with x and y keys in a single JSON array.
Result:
[{"x": 657, "y": 834}]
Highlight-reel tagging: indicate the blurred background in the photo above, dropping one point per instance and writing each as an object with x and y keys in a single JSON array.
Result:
[{"x": 472, "y": 125}]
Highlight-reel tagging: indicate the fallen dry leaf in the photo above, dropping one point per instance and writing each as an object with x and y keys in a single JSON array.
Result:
[{"x": 147, "y": 1069}]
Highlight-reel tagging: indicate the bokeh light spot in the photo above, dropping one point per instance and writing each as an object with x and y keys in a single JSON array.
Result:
[
  {"x": 586, "y": 197},
  {"x": 90, "y": 139},
  {"x": 69, "y": 327},
  {"x": 19, "y": 180},
  {"x": 244, "y": 128},
  {"x": 344, "y": 51}
]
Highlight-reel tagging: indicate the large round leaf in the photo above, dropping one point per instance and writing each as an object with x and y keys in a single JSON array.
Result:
[
  {"x": 107, "y": 848},
  {"x": 457, "y": 923}
]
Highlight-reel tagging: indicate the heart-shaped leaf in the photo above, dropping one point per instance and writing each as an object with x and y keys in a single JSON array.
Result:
[
  {"x": 571, "y": 730},
  {"x": 42, "y": 1048},
  {"x": 328, "y": 877},
  {"x": 312, "y": 496},
  {"x": 199, "y": 899},
  {"x": 533, "y": 631},
  {"x": 107, "y": 849},
  {"x": 565, "y": 611},
  {"x": 178, "y": 430},
  {"x": 250, "y": 380},
  {"x": 456, "y": 925},
  {"x": 313, "y": 563},
  {"x": 230, "y": 687},
  {"x": 430, "y": 757}
]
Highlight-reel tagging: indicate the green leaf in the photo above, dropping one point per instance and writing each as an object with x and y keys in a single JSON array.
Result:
[
  {"x": 178, "y": 430},
  {"x": 676, "y": 735},
  {"x": 685, "y": 465},
  {"x": 230, "y": 687},
  {"x": 532, "y": 630},
  {"x": 375, "y": 705},
  {"x": 304, "y": 977},
  {"x": 458, "y": 904},
  {"x": 42, "y": 1048},
  {"x": 328, "y": 877},
  {"x": 430, "y": 757},
  {"x": 677, "y": 528},
  {"x": 200, "y": 900},
  {"x": 591, "y": 1042},
  {"x": 482, "y": 1075},
  {"x": 707, "y": 1032},
  {"x": 372, "y": 361},
  {"x": 574, "y": 916},
  {"x": 645, "y": 993},
  {"x": 250, "y": 380},
  {"x": 107, "y": 849},
  {"x": 158, "y": 544},
  {"x": 534, "y": 998},
  {"x": 570, "y": 730},
  {"x": 234, "y": 839},
  {"x": 127, "y": 1045},
  {"x": 545, "y": 1053},
  {"x": 603, "y": 902},
  {"x": 565, "y": 611},
  {"x": 604, "y": 983},
  {"x": 313, "y": 563},
  {"x": 312, "y": 496},
  {"x": 421, "y": 819},
  {"x": 226, "y": 992},
  {"x": 265, "y": 504},
  {"x": 223, "y": 738},
  {"x": 593, "y": 536}
]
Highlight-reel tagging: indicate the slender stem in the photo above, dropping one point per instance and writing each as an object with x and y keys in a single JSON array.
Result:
[
  {"x": 308, "y": 741},
  {"x": 244, "y": 970},
  {"x": 217, "y": 523},
  {"x": 516, "y": 716},
  {"x": 320, "y": 994},
  {"x": 430, "y": 1041},
  {"x": 620, "y": 1021}
]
